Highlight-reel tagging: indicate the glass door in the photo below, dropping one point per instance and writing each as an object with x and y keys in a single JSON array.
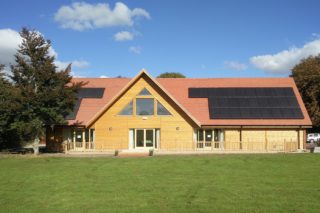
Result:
[
  {"x": 149, "y": 137},
  {"x": 140, "y": 138},
  {"x": 145, "y": 138}
]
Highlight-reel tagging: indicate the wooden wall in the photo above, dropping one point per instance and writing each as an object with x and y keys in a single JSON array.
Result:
[
  {"x": 264, "y": 139},
  {"x": 111, "y": 129}
]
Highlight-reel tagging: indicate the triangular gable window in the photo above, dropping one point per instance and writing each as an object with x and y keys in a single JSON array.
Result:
[
  {"x": 144, "y": 92},
  {"x": 128, "y": 109},
  {"x": 161, "y": 109}
]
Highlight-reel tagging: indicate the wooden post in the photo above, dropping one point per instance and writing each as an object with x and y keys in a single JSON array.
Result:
[
  {"x": 204, "y": 139},
  {"x": 83, "y": 139},
  {"x": 89, "y": 139},
  {"x": 266, "y": 140},
  {"x": 240, "y": 137},
  {"x": 74, "y": 139},
  {"x": 300, "y": 145}
]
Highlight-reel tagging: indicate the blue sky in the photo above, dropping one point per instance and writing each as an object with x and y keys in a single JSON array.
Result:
[{"x": 197, "y": 38}]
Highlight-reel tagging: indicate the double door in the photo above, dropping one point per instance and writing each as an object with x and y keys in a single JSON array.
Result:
[{"x": 144, "y": 138}]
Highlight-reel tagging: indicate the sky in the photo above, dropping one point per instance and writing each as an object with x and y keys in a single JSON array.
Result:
[{"x": 199, "y": 38}]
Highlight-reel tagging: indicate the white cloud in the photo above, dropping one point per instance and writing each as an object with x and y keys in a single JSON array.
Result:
[
  {"x": 135, "y": 49},
  {"x": 80, "y": 64},
  {"x": 103, "y": 76},
  {"x": 123, "y": 36},
  {"x": 75, "y": 64},
  {"x": 81, "y": 15},
  {"x": 235, "y": 65},
  {"x": 10, "y": 41},
  {"x": 284, "y": 61}
]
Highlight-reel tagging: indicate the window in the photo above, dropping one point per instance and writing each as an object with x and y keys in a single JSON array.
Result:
[
  {"x": 218, "y": 135},
  {"x": 78, "y": 136},
  {"x": 161, "y": 110},
  {"x": 200, "y": 135},
  {"x": 144, "y": 92},
  {"x": 128, "y": 109},
  {"x": 91, "y": 135},
  {"x": 144, "y": 106},
  {"x": 208, "y": 135}
]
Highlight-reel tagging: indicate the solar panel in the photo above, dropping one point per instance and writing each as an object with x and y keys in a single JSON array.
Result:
[
  {"x": 90, "y": 93},
  {"x": 75, "y": 110},
  {"x": 84, "y": 93},
  {"x": 250, "y": 103}
]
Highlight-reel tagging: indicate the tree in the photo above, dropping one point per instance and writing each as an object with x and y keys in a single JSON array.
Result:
[
  {"x": 307, "y": 77},
  {"x": 171, "y": 75},
  {"x": 8, "y": 106},
  {"x": 47, "y": 95}
]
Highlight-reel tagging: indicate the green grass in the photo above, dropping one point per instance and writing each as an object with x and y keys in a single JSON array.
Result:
[{"x": 207, "y": 183}]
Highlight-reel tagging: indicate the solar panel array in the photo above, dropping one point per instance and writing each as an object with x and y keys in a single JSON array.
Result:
[
  {"x": 250, "y": 103},
  {"x": 84, "y": 93}
]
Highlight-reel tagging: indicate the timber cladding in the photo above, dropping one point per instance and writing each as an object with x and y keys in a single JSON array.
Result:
[
  {"x": 263, "y": 139},
  {"x": 111, "y": 129}
]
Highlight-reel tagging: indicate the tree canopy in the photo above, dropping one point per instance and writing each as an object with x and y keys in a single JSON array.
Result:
[
  {"x": 171, "y": 75},
  {"x": 307, "y": 77}
]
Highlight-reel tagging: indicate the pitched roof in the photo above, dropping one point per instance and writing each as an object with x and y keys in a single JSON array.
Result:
[{"x": 177, "y": 90}]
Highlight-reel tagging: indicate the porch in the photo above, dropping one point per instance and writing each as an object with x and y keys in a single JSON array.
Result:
[{"x": 204, "y": 140}]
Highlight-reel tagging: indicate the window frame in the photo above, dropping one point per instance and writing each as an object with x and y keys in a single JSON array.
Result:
[
  {"x": 134, "y": 105},
  {"x": 133, "y": 108},
  {"x": 144, "y": 97},
  {"x": 156, "y": 108}
]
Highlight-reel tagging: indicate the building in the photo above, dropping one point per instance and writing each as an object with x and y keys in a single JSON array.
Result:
[{"x": 186, "y": 114}]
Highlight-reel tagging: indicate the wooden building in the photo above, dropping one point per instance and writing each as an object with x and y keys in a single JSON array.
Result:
[{"x": 185, "y": 114}]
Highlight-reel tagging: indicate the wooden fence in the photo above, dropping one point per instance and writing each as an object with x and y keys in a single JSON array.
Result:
[{"x": 176, "y": 146}]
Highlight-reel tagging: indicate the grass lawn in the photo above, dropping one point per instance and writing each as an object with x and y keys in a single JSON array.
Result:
[{"x": 206, "y": 183}]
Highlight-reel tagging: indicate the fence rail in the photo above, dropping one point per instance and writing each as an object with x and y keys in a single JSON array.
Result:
[{"x": 177, "y": 146}]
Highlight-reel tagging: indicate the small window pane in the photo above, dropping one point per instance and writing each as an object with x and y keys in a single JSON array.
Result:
[
  {"x": 200, "y": 135},
  {"x": 208, "y": 135},
  {"x": 140, "y": 137},
  {"x": 91, "y": 135},
  {"x": 149, "y": 138},
  {"x": 162, "y": 110},
  {"x": 144, "y": 92},
  {"x": 128, "y": 109},
  {"x": 87, "y": 135},
  {"x": 145, "y": 106},
  {"x": 78, "y": 136}
]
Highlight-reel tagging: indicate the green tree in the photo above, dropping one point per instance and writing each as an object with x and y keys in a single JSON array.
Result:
[
  {"x": 8, "y": 106},
  {"x": 171, "y": 75},
  {"x": 47, "y": 95},
  {"x": 307, "y": 77}
]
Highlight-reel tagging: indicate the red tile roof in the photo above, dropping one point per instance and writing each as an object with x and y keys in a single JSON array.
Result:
[
  {"x": 90, "y": 107},
  {"x": 197, "y": 107}
]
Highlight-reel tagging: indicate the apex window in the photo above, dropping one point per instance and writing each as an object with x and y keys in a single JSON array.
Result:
[{"x": 144, "y": 106}]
